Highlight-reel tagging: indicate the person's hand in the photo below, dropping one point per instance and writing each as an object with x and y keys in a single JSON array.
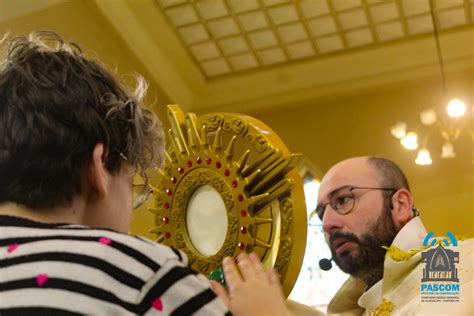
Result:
[{"x": 253, "y": 291}]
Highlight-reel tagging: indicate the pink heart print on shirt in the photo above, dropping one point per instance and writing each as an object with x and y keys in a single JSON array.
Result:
[
  {"x": 12, "y": 248},
  {"x": 41, "y": 279},
  {"x": 105, "y": 241},
  {"x": 157, "y": 304}
]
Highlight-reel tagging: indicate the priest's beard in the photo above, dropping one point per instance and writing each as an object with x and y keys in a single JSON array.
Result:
[{"x": 366, "y": 262}]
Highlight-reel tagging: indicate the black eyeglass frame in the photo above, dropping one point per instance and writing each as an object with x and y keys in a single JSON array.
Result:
[{"x": 320, "y": 209}]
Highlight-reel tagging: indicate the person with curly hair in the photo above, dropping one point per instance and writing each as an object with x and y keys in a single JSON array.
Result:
[{"x": 72, "y": 140}]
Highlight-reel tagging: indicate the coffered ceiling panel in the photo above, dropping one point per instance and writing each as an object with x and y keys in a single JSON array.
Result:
[
  {"x": 244, "y": 55},
  {"x": 276, "y": 32}
]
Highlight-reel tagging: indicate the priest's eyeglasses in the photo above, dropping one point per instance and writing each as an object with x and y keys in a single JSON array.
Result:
[{"x": 343, "y": 200}]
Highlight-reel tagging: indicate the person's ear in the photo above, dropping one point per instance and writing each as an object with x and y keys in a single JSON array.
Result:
[
  {"x": 402, "y": 211},
  {"x": 96, "y": 172}
]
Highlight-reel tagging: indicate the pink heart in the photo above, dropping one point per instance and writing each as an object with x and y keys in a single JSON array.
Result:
[
  {"x": 157, "y": 304},
  {"x": 12, "y": 248},
  {"x": 105, "y": 240},
  {"x": 41, "y": 279}
]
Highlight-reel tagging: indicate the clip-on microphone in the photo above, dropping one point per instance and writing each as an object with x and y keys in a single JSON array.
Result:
[{"x": 325, "y": 264}]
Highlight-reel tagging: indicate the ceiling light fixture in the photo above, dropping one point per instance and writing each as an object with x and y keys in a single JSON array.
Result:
[{"x": 449, "y": 126}]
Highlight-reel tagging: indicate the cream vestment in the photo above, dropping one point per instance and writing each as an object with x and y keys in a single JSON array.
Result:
[{"x": 398, "y": 293}]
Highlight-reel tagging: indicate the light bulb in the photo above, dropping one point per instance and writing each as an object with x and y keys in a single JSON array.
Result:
[
  {"x": 399, "y": 130},
  {"x": 456, "y": 108},
  {"x": 410, "y": 141},
  {"x": 428, "y": 117},
  {"x": 447, "y": 151},
  {"x": 423, "y": 158}
]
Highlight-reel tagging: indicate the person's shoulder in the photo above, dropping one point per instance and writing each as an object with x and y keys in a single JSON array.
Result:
[
  {"x": 105, "y": 249},
  {"x": 138, "y": 247}
]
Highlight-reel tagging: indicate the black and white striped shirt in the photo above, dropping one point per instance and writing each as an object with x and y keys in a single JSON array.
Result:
[{"x": 54, "y": 269}]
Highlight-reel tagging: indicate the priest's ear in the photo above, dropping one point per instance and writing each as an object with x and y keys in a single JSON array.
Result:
[{"x": 402, "y": 207}]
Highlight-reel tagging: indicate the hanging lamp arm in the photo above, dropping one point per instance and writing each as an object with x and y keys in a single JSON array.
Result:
[{"x": 438, "y": 46}]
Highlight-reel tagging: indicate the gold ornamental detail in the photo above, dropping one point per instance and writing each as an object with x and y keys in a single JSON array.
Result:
[{"x": 253, "y": 173}]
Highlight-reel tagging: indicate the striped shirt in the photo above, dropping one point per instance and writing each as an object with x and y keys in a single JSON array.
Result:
[{"x": 57, "y": 269}]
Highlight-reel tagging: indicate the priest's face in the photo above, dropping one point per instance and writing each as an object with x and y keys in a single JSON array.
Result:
[{"x": 356, "y": 216}]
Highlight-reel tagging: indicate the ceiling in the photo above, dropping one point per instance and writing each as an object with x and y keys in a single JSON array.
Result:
[
  {"x": 251, "y": 55},
  {"x": 225, "y": 37},
  {"x": 248, "y": 55}
]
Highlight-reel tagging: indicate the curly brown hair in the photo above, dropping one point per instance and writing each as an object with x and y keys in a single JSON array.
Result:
[{"x": 55, "y": 106}]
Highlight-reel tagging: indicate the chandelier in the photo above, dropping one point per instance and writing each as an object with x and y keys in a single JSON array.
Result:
[{"x": 449, "y": 124}]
